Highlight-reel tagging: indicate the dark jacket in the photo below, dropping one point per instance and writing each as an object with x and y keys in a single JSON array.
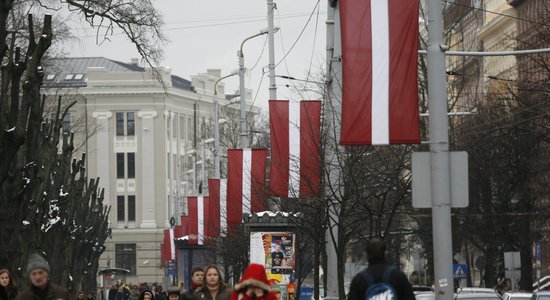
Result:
[
  {"x": 51, "y": 292},
  {"x": 398, "y": 280},
  {"x": 11, "y": 295},
  {"x": 202, "y": 293}
]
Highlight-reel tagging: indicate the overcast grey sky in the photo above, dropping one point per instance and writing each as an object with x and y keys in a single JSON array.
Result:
[{"x": 207, "y": 34}]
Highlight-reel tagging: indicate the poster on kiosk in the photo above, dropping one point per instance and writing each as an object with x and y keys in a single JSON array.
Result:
[{"x": 274, "y": 250}]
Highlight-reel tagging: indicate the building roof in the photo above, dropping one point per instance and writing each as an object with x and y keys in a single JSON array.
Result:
[{"x": 71, "y": 71}]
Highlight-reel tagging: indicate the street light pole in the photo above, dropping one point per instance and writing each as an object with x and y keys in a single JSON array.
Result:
[
  {"x": 271, "y": 66},
  {"x": 244, "y": 135},
  {"x": 217, "y": 127},
  {"x": 439, "y": 155}
]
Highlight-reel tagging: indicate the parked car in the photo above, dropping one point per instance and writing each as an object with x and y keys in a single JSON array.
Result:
[
  {"x": 422, "y": 288},
  {"x": 478, "y": 296},
  {"x": 541, "y": 295},
  {"x": 516, "y": 296},
  {"x": 470, "y": 290},
  {"x": 424, "y": 295}
]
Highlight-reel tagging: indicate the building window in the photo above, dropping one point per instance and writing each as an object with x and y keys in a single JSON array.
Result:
[
  {"x": 182, "y": 127},
  {"x": 125, "y": 123},
  {"x": 126, "y": 208},
  {"x": 67, "y": 123},
  {"x": 120, "y": 165},
  {"x": 190, "y": 129},
  {"x": 120, "y": 208},
  {"x": 174, "y": 126},
  {"x": 119, "y": 123},
  {"x": 175, "y": 165},
  {"x": 131, "y": 208},
  {"x": 131, "y": 165},
  {"x": 168, "y": 166},
  {"x": 125, "y": 257},
  {"x": 130, "y": 123}
]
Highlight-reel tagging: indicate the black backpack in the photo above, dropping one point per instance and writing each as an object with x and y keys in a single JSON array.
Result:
[{"x": 381, "y": 290}]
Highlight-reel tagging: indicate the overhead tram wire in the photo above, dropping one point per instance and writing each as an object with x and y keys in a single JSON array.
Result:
[
  {"x": 314, "y": 43},
  {"x": 258, "y": 19},
  {"x": 294, "y": 44},
  {"x": 496, "y": 13}
]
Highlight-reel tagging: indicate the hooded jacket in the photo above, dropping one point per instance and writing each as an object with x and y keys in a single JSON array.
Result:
[{"x": 254, "y": 276}]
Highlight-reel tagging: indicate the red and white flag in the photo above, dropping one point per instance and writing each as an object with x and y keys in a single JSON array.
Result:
[
  {"x": 217, "y": 194},
  {"x": 379, "y": 70},
  {"x": 245, "y": 183},
  {"x": 168, "y": 247},
  {"x": 295, "y": 130},
  {"x": 197, "y": 213}
]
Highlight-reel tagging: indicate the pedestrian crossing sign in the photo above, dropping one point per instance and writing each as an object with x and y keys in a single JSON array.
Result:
[{"x": 460, "y": 271}]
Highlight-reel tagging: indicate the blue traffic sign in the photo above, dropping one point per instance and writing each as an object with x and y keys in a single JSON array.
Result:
[{"x": 460, "y": 271}]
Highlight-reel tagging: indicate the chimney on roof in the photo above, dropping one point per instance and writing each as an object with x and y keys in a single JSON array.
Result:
[{"x": 134, "y": 61}]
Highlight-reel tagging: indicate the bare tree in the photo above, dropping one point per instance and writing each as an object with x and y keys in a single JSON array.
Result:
[{"x": 48, "y": 204}]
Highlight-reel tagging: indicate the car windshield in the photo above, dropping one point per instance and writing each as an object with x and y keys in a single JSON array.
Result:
[{"x": 543, "y": 297}]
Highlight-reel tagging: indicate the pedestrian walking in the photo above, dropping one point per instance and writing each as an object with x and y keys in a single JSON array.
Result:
[
  {"x": 80, "y": 295},
  {"x": 213, "y": 288},
  {"x": 112, "y": 292},
  {"x": 146, "y": 295},
  {"x": 90, "y": 296},
  {"x": 197, "y": 279},
  {"x": 8, "y": 291},
  {"x": 379, "y": 277},
  {"x": 41, "y": 288},
  {"x": 253, "y": 285},
  {"x": 174, "y": 293}
]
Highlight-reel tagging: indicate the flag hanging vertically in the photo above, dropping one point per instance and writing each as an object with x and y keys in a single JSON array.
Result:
[
  {"x": 245, "y": 183},
  {"x": 379, "y": 72},
  {"x": 295, "y": 130},
  {"x": 217, "y": 194},
  {"x": 196, "y": 219}
]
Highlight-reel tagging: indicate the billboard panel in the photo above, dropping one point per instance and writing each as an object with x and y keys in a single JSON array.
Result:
[{"x": 275, "y": 251}]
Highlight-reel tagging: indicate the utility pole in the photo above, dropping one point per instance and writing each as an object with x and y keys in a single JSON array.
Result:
[
  {"x": 439, "y": 154},
  {"x": 332, "y": 98},
  {"x": 271, "y": 39}
]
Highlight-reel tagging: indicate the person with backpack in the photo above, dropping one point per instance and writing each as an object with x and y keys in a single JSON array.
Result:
[{"x": 379, "y": 280}]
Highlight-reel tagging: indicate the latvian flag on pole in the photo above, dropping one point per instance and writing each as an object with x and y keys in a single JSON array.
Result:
[
  {"x": 198, "y": 211},
  {"x": 217, "y": 194},
  {"x": 379, "y": 72},
  {"x": 295, "y": 129},
  {"x": 245, "y": 183}
]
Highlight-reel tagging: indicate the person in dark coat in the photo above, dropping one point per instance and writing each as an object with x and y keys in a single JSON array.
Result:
[
  {"x": 8, "y": 291},
  {"x": 376, "y": 256},
  {"x": 197, "y": 279},
  {"x": 112, "y": 292},
  {"x": 213, "y": 288},
  {"x": 41, "y": 288}
]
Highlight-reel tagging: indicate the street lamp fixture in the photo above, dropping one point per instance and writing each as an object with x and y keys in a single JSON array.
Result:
[
  {"x": 240, "y": 53},
  {"x": 217, "y": 122}
]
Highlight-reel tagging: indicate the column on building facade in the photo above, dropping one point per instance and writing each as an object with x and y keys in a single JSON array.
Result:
[
  {"x": 103, "y": 152},
  {"x": 147, "y": 168}
]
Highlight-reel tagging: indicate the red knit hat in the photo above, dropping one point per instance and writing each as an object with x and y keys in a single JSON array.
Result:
[{"x": 254, "y": 275}]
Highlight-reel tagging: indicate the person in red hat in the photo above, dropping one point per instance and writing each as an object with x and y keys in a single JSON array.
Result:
[{"x": 253, "y": 285}]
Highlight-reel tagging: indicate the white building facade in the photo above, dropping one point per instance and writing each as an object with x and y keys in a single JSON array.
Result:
[{"x": 138, "y": 136}]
